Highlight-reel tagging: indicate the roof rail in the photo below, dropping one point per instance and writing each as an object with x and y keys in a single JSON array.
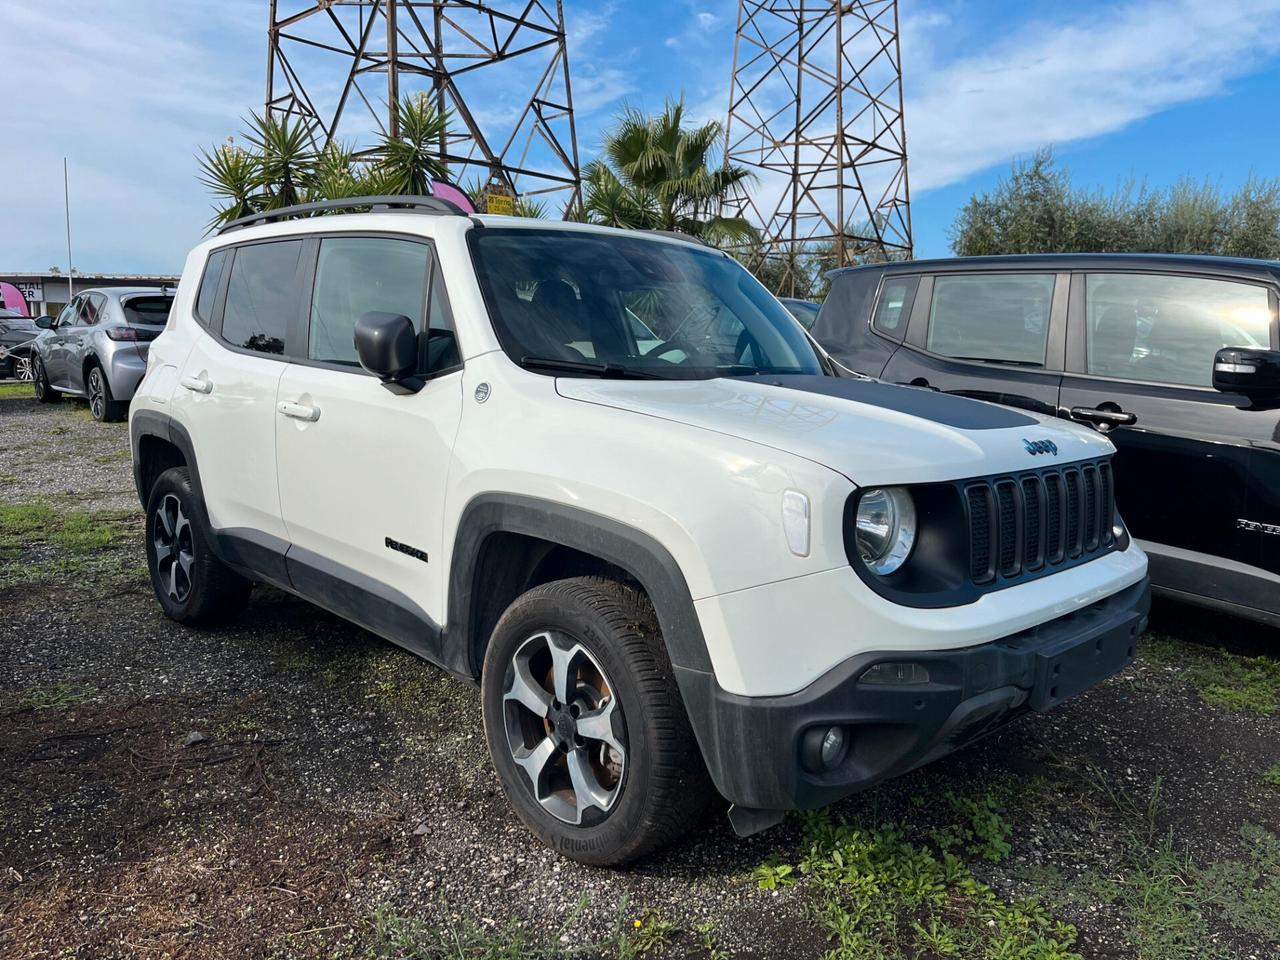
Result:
[{"x": 408, "y": 204}]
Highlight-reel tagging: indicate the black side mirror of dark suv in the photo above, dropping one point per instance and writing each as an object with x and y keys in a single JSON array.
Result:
[
  {"x": 44, "y": 323},
  {"x": 1255, "y": 373},
  {"x": 388, "y": 348}
]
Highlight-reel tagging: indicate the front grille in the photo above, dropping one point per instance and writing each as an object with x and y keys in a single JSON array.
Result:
[{"x": 1023, "y": 523}]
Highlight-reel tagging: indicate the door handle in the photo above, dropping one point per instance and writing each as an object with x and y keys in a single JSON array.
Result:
[
  {"x": 299, "y": 411},
  {"x": 197, "y": 384},
  {"x": 1103, "y": 419}
]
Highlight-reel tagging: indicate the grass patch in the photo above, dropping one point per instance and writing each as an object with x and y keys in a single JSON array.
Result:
[
  {"x": 55, "y": 696},
  {"x": 882, "y": 893},
  {"x": 1226, "y": 680},
  {"x": 387, "y": 935},
  {"x": 17, "y": 391},
  {"x": 123, "y": 455},
  {"x": 43, "y": 541},
  {"x": 1272, "y": 776}
]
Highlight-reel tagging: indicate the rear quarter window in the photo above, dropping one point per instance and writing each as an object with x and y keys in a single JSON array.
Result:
[{"x": 208, "y": 291}]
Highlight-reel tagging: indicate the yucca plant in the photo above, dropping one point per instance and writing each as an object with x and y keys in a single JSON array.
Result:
[
  {"x": 286, "y": 159},
  {"x": 410, "y": 161},
  {"x": 230, "y": 173}
]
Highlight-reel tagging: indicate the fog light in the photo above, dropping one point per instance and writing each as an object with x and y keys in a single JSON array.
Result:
[
  {"x": 896, "y": 673},
  {"x": 824, "y": 748}
]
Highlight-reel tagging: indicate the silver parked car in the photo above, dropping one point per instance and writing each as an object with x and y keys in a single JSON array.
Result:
[{"x": 97, "y": 348}]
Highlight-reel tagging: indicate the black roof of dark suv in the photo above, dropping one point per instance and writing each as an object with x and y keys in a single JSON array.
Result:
[{"x": 1174, "y": 356}]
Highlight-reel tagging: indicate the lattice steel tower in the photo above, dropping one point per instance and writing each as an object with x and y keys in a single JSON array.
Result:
[
  {"x": 342, "y": 65},
  {"x": 815, "y": 109}
]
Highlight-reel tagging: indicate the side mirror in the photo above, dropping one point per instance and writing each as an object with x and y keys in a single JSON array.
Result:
[
  {"x": 1255, "y": 373},
  {"x": 44, "y": 323},
  {"x": 387, "y": 347}
]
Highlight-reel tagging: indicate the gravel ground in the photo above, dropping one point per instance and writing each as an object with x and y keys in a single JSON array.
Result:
[{"x": 259, "y": 789}]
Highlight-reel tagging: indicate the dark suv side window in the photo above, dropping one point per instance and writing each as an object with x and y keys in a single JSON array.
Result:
[
  {"x": 262, "y": 295},
  {"x": 894, "y": 304},
  {"x": 1166, "y": 329},
  {"x": 989, "y": 317}
]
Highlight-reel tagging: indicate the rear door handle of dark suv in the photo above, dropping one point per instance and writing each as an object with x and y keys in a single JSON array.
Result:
[{"x": 1103, "y": 419}]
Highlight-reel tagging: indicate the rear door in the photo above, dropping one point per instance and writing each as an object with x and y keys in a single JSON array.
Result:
[
  {"x": 227, "y": 393},
  {"x": 990, "y": 336},
  {"x": 1141, "y": 347},
  {"x": 362, "y": 467},
  {"x": 89, "y": 315}
]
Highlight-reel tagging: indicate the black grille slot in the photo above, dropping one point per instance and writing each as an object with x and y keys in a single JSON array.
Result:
[
  {"x": 1108, "y": 499},
  {"x": 1054, "y": 514},
  {"x": 1032, "y": 523},
  {"x": 1074, "y": 541},
  {"x": 1038, "y": 519},
  {"x": 981, "y": 568},
  {"x": 1007, "y": 500}
]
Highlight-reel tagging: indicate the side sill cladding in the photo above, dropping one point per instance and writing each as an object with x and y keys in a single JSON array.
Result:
[{"x": 641, "y": 556}]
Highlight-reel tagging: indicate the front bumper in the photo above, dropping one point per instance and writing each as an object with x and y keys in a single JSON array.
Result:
[{"x": 753, "y": 745}]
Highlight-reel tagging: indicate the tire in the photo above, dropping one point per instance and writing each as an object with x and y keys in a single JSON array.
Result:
[
  {"x": 192, "y": 585},
  {"x": 640, "y": 779},
  {"x": 104, "y": 408},
  {"x": 40, "y": 380},
  {"x": 20, "y": 368}
]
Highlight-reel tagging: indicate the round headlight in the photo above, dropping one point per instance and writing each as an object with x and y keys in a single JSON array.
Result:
[{"x": 885, "y": 529}]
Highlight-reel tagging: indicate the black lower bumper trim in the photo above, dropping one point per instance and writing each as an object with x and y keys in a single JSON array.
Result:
[{"x": 752, "y": 745}]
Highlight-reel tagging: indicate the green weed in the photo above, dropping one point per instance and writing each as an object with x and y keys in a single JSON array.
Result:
[
  {"x": 1223, "y": 679},
  {"x": 1272, "y": 776}
]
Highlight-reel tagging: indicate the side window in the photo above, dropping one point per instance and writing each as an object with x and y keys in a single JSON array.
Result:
[
  {"x": 68, "y": 315},
  {"x": 90, "y": 311},
  {"x": 262, "y": 295},
  {"x": 990, "y": 317},
  {"x": 1167, "y": 329},
  {"x": 895, "y": 302},
  {"x": 208, "y": 291},
  {"x": 441, "y": 343},
  {"x": 356, "y": 275}
]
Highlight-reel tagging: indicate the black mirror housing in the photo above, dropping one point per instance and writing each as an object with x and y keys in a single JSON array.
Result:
[
  {"x": 387, "y": 346},
  {"x": 44, "y": 323},
  {"x": 1245, "y": 370}
]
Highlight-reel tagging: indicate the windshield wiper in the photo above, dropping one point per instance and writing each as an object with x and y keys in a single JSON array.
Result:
[{"x": 609, "y": 371}]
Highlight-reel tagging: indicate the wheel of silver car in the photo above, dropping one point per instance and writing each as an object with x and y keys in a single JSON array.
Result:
[
  {"x": 174, "y": 549},
  {"x": 40, "y": 380},
  {"x": 97, "y": 389},
  {"x": 564, "y": 726},
  {"x": 22, "y": 369},
  {"x": 585, "y": 723}
]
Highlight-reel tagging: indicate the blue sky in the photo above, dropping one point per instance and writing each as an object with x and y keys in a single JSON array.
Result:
[{"x": 1145, "y": 89}]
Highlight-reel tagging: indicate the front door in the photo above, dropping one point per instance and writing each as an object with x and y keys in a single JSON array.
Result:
[
  {"x": 994, "y": 337},
  {"x": 1140, "y": 361},
  {"x": 362, "y": 467},
  {"x": 54, "y": 354}
]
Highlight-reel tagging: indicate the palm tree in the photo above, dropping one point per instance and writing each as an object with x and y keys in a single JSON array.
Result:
[
  {"x": 285, "y": 160},
  {"x": 659, "y": 174}
]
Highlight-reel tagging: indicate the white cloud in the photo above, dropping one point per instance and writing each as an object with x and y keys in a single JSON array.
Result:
[
  {"x": 706, "y": 20},
  {"x": 1052, "y": 82}
]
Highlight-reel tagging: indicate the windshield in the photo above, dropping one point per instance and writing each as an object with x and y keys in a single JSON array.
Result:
[
  {"x": 596, "y": 304},
  {"x": 154, "y": 310}
]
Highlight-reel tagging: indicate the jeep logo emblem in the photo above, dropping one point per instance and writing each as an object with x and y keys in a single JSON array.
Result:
[{"x": 1034, "y": 447}]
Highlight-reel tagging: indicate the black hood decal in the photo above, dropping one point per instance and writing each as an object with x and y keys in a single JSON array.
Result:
[{"x": 951, "y": 411}]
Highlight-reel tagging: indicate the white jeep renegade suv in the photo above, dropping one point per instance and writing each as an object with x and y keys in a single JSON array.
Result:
[{"x": 605, "y": 474}]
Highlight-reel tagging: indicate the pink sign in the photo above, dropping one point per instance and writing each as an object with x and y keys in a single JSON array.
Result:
[
  {"x": 447, "y": 191},
  {"x": 12, "y": 298}
]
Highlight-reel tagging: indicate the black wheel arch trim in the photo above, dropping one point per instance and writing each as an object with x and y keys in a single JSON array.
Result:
[
  {"x": 152, "y": 423},
  {"x": 623, "y": 546}
]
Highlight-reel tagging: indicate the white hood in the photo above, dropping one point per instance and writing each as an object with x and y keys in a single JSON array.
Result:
[{"x": 874, "y": 433}]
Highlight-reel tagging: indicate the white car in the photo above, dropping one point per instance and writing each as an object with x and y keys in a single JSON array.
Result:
[{"x": 605, "y": 475}]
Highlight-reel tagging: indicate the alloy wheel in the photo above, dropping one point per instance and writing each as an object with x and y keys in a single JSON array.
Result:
[
  {"x": 97, "y": 394},
  {"x": 175, "y": 549},
  {"x": 40, "y": 379},
  {"x": 22, "y": 369},
  {"x": 564, "y": 726}
]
